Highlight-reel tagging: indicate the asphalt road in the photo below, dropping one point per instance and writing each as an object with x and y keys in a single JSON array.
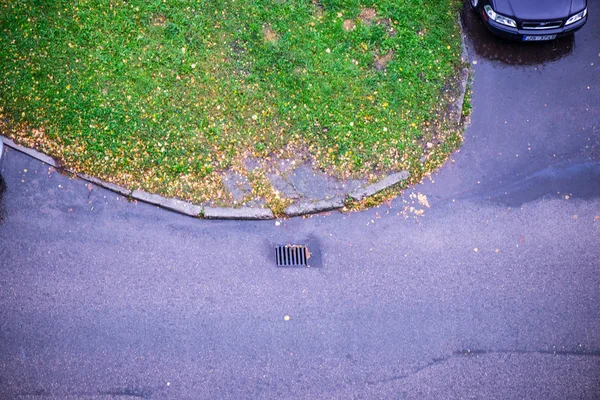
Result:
[{"x": 491, "y": 292}]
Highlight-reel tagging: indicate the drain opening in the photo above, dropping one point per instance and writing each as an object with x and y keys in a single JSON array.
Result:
[{"x": 291, "y": 255}]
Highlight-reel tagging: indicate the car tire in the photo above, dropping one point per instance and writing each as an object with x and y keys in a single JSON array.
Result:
[{"x": 475, "y": 5}]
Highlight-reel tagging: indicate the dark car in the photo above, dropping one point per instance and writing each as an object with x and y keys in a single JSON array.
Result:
[{"x": 532, "y": 20}]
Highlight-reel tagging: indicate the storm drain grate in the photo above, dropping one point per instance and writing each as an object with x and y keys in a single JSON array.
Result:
[{"x": 291, "y": 255}]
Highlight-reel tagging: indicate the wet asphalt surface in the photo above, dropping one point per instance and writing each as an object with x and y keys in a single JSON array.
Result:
[{"x": 492, "y": 292}]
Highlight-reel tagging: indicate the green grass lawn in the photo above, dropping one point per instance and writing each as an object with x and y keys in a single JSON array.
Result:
[{"x": 165, "y": 95}]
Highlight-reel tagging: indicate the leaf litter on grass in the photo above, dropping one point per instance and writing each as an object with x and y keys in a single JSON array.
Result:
[{"x": 167, "y": 96}]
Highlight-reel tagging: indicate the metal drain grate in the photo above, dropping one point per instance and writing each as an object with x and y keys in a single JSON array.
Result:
[{"x": 291, "y": 255}]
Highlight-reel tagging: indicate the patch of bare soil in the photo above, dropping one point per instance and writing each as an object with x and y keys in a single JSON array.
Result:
[
  {"x": 367, "y": 15},
  {"x": 269, "y": 34},
  {"x": 159, "y": 20},
  {"x": 380, "y": 62},
  {"x": 348, "y": 25}
]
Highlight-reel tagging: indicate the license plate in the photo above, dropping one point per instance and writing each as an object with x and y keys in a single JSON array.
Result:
[{"x": 536, "y": 38}]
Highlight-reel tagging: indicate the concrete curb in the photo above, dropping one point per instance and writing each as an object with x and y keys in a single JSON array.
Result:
[
  {"x": 246, "y": 213},
  {"x": 304, "y": 208},
  {"x": 182, "y": 207},
  {"x": 464, "y": 73},
  {"x": 106, "y": 185},
  {"x": 226, "y": 213},
  {"x": 30, "y": 152},
  {"x": 465, "y": 51},
  {"x": 383, "y": 184}
]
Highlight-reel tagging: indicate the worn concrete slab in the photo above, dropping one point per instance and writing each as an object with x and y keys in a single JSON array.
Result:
[
  {"x": 456, "y": 108},
  {"x": 237, "y": 213},
  {"x": 312, "y": 184},
  {"x": 349, "y": 185},
  {"x": 30, "y": 152},
  {"x": 464, "y": 74},
  {"x": 179, "y": 206},
  {"x": 283, "y": 186},
  {"x": 302, "y": 208},
  {"x": 383, "y": 184},
  {"x": 238, "y": 185}
]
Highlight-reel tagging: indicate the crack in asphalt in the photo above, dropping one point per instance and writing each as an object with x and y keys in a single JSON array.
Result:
[
  {"x": 435, "y": 361},
  {"x": 116, "y": 393},
  {"x": 581, "y": 353},
  {"x": 477, "y": 352}
]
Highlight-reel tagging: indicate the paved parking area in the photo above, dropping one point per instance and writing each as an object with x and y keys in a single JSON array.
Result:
[{"x": 481, "y": 282}]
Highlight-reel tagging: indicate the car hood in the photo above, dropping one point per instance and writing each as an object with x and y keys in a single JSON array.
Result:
[{"x": 538, "y": 9}]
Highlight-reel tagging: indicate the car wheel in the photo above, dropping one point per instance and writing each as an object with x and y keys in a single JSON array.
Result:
[{"x": 474, "y": 4}]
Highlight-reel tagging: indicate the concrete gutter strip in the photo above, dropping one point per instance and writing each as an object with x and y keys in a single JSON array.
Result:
[
  {"x": 179, "y": 206},
  {"x": 106, "y": 185},
  {"x": 237, "y": 213},
  {"x": 460, "y": 101},
  {"x": 30, "y": 152},
  {"x": 464, "y": 74},
  {"x": 463, "y": 42},
  {"x": 383, "y": 184},
  {"x": 302, "y": 208}
]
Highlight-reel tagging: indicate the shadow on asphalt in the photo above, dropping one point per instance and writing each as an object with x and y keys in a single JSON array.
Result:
[{"x": 486, "y": 45}]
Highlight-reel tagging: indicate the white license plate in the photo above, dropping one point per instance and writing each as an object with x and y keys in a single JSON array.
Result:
[{"x": 536, "y": 38}]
